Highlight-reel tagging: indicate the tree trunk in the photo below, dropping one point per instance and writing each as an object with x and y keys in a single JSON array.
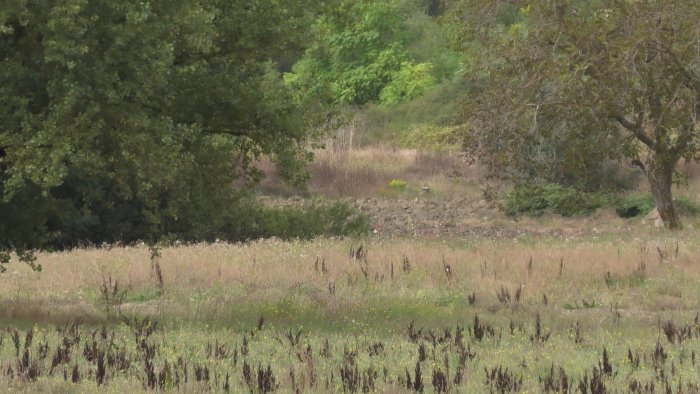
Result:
[{"x": 660, "y": 176}]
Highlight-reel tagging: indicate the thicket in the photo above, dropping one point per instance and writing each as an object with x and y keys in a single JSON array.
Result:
[
  {"x": 252, "y": 221},
  {"x": 563, "y": 200},
  {"x": 551, "y": 198},
  {"x": 637, "y": 205},
  {"x": 388, "y": 63},
  {"x": 425, "y": 123},
  {"x": 338, "y": 219},
  {"x": 131, "y": 120}
]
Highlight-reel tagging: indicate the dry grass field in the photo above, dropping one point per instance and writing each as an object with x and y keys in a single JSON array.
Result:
[
  {"x": 495, "y": 304},
  {"x": 367, "y": 172},
  {"x": 473, "y": 315}
]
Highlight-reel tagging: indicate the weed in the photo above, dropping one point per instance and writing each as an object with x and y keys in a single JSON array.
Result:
[
  {"x": 413, "y": 334},
  {"x": 578, "y": 333},
  {"x": 678, "y": 334},
  {"x": 155, "y": 266},
  {"x": 350, "y": 375},
  {"x": 633, "y": 359},
  {"x": 658, "y": 357},
  {"x": 447, "y": 269},
  {"x": 405, "y": 265},
  {"x": 417, "y": 380},
  {"x": 471, "y": 298},
  {"x": 501, "y": 380},
  {"x": 539, "y": 335},
  {"x": 503, "y": 295},
  {"x": 398, "y": 185},
  {"x": 609, "y": 281},
  {"x": 481, "y": 329},
  {"x": 518, "y": 293},
  {"x": 556, "y": 381},
  {"x": 358, "y": 254},
  {"x": 375, "y": 349},
  {"x": 441, "y": 381},
  {"x": 594, "y": 385},
  {"x": 266, "y": 380},
  {"x": 636, "y": 387},
  {"x": 112, "y": 296},
  {"x": 606, "y": 366}
]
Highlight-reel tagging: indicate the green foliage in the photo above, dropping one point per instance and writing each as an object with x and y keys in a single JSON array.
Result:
[
  {"x": 373, "y": 50},
  {"x": 426, "y": 42},
  {"x": 410, "y": 82},
  {"x": 130, "y": 120},
  {"x": 353, "y": 55},
  {"x": 338, "y": 219},
  {"x": 568, "y": 201},
  {"x": 403, "y": 122},
  {"x": 640, "y": 205},
  {"x": 686, "y": 206},
  {"x": 398, "y": 185},
  {"x": 634, "y": 205},
  {"x": 426, "y": 137},
  {"x": 567, "y": 87},
  {"x": 551, "y": 198}
]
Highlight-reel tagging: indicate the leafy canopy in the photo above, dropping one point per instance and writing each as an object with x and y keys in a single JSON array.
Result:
[
  {"x": 357, "y": 53},
  {"x": 568, "y": 84},
  {"x": 126, "y": 120}
]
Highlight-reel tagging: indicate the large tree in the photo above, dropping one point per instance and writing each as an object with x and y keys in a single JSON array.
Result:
[
  {"x": 125, "y": 120},
  {"x": 611, "y": 78}
]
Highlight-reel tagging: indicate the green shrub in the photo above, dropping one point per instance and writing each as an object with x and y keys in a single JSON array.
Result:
[
  {"x": 410, "y": 82},
  {"x": 686, "y": 206},
  {"x": 338, "y": 219},
  {"x": 567, "y": 201},
  {"x": 439, "y": 107},
  {"x": 553, "y": 198},
  {"x": 631, "y": 206},
  {"x": 427, "y": 137},
  {"x": 398, "y": 185},
  {"x": 639, "y": 205}
]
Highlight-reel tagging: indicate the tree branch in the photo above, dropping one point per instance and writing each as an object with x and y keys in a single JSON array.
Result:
[
  {"x": 692, "y": 80},
  {"x": 636, "y": 129},
  {"x": 685, "y": 138},
  {"x": 639, "y": 164}
]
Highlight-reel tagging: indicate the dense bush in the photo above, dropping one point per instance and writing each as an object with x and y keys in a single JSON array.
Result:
[
  {"x": 338, "y": 219},
  {"x": 403, "y": 122},
  {"x": 132, "y": 120},
  {"x": 552, "y": 198},
  {"x": 568, "y": 201},
  {"x": 430, "y": 138},
  {"x": 408, "y": 83},
  {"x": 638, "y": 205}
]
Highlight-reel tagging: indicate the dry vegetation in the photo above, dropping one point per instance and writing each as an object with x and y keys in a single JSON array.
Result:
[
  {"x": 486, "y": 314},
  {"x": 367, "y": 172},
  {"x": 544, "y": 304}
]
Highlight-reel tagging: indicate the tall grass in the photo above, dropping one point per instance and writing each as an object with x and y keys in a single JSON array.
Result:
[
  {"x": 374, "y": 315},
  {"x": 367, "y": 173}
]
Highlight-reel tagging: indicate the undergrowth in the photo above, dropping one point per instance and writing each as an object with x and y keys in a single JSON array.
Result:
[
  {"x": 338, "y": 219},
  {"x": 536, "y": 200}
]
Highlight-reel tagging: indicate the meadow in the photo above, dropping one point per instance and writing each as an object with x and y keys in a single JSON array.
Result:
[
  {"x": 615, "y": 313},
  {"x": 350, "y": 196}
]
